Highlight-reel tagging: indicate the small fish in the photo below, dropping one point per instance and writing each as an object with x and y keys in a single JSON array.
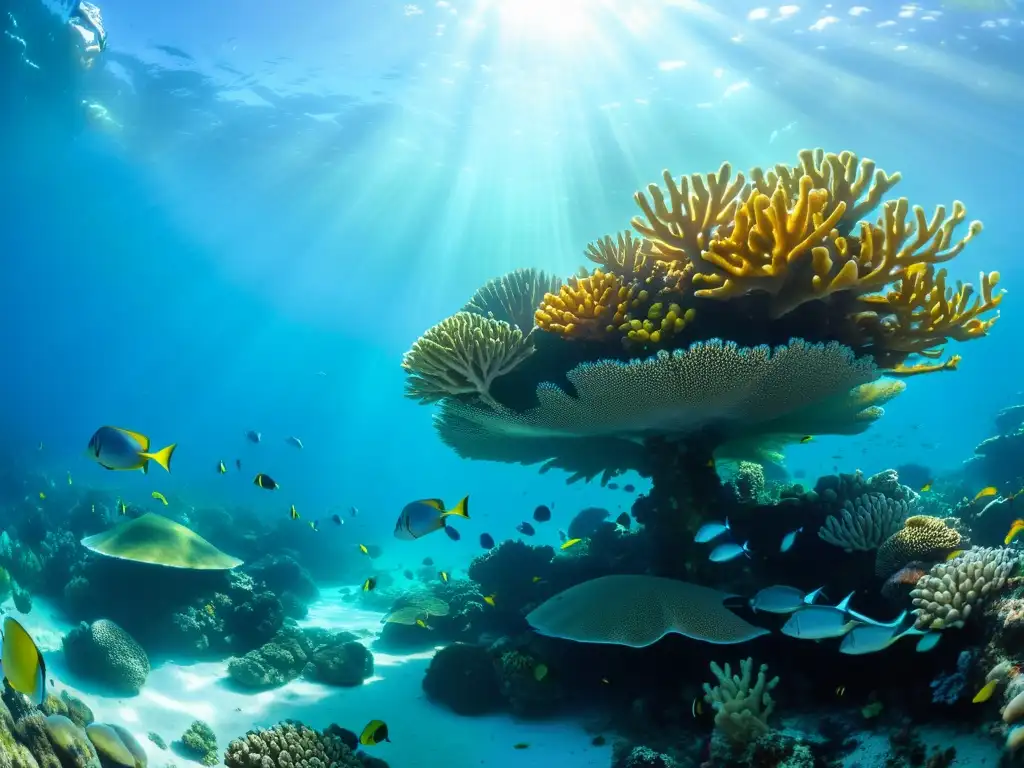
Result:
[
  {"x": 23, "y": 665},
  {"x": 988, "y": 490},
  {"x": 375, "y": 732},
  {"x": 954, "y": 554},
  {"x": 871, "y": 638},
  {"x": 40, "y": 446},
  {"x": 452, "y": 533},
  {"x": 624, "y": 520},
  {"x": 782, "y": 599},
  {"x": 489, "y": 599},
  {"x": 122, "y": 508},
  {"x": 363, "y": 549},
  {"x": 122, "y": 449},
  {"x": 293, "y": 513},
  {"x": 710, "y": 464},
  {"x": 486, "y": 541},
  {"x": 210, "y": 609},
  {"x": 723, "y": 553},
  {"x": 69, "y": 479},
  {"x": 444, "y": 576},
  {"x": 536, "y": 579},
  {"x": 599, "y": 741},
  {"x": 266, "y": 482},
  {"x": 352, "y": 511},
  {"x": 629, "y": 488},
  {"x": 986, "y": 692},
  {"x": 253, "y": 436},
  {"x": 570, "y": 543},
  {"x": 314, "y": 524},
  {"x": 336, "y": 519},
  {"x": 408, "y": 574},
  {"x": 370, "y": 584},
  {"x": 292, "y": 440},
  {"x": 428, "y": 561},
  {"x": 159, "y": 497},
  {"x": 927, "y": 486},
  {"x": 321, "y": 373},
  {"x": 540, "y": 672},
  {"x": 42, "y": 495},
  {"x": 613, "y": 486},
  {"x": 928, "y": 642},
  {"x": 526, "y": 529},
  {"x": 1016, "y": 527},
  {"x": 840, "y": 690},
  {"x": 697, "y": 707},
  {"x": 521, "y": 745},
  {"x": 806, "y": 439},
  {"x": 788, "y": 539},
  {"x": 419, "y": 518},
  {"x": 542, "y": 513},
  {"x": 221, "y": 469},
  {"x": 818, "y": 622},
  {"x": 711, "y": 531},
  {"x": 238, "y": 464},
  {"x": 422, "y": 624}
]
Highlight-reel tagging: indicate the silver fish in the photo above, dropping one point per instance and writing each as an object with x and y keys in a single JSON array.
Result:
[
  {"x": 723, "y": 553},
  {"x": 711, "y": 531},
  {"x": 818, "y": 622},
  {"x": 782, "y": 599},
  {"x": 253, "y": 436},
  {"x": 292, "y": 440},
  {"x": 788, "y": 539},
  {"x": 871, "y": 638}
]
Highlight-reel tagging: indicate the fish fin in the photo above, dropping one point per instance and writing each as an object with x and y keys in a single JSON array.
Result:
[
  {"x": 845, "y": 604},
  {"x": 40, "y": 696},
  {"x": 162, "y": 457},
  {"x": 461, "y": 509},
  {"x": 435, "y": 503},
  {"x": 138, "y": 437},
  {"x": 144, "y": 469}
]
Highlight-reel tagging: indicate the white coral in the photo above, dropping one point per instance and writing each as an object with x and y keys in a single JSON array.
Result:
[{"x": 741, "y": 709}]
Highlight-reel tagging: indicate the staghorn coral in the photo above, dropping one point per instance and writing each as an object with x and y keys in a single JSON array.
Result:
[
  {"x": 742, "y": 704},
  {"x": 514, "y": 298},
  {"x": 922, "y": 538},
  {"x": 865, "y": 522},
  {"x": 946, "y": 596},
  {"x": 463, "y": 355}
]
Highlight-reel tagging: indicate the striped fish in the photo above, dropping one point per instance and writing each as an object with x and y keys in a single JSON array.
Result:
[{"x": 425, "y": 516}]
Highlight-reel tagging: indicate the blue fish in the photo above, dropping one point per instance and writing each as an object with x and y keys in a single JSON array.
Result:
[
  {"x": 928, "y": 641},
  {"x": 711, "y": 531},
  {"x": 819, "y": 622},
  {"x": 723, "y": 553},
  {"x": 789, "y": 538},
  {"x": 782, "y": 599},
  {"x": 865, "y": 620},
  {"x": 122, "y": 449},
  {"x": 419, "y": 518}
]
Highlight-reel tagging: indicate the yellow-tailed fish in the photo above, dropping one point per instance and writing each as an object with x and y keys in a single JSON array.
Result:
[
  {"x": 570, "y": 543},
  {"x": 369, "y": 584},
  {"x": 988, "y": 490},
  {"x": 489, "y": 599},
  {"x": 986, "y": 692},
  {"x": 418, "y": 518},
  {"x": 421, "y": 624},
  {"x": 375, "y": 732},
  {"x": 122, "y": 449},
  {"x": 293, "y": 513},
  {"x": 122, "y": 508},
  {"x": 444, "y": 576},
  {"x": 42, "y": 495},
  {"x": 23, "y": 665},
  {"x": 221, "y": 469},
  {"x": 926, "y": 487},
  {"x": 159, "y": 497},
  {"x": 363, "y": 549},
  {"x": 806, "y": 438},
  {"x": 954, "y": 554},
  {"x": 540, "y": 672},
  {"x": 1016, "y": 527}
]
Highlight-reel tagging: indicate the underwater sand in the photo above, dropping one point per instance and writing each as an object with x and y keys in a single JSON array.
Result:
[{"x": 423, "y": 735}]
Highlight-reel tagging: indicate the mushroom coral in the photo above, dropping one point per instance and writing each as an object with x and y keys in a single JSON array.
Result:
[{"x": 740, "y": 314}]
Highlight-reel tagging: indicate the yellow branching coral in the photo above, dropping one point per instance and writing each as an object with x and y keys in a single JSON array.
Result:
[
  {"x": 586, "y": 307},
  {"x": 461, "y": 355}
]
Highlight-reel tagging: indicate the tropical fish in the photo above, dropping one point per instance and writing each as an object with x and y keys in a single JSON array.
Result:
[
  {"x": 711, "y": 531},
  {"x": 1016, "y": 527},
  {"x": 375, "y": 732},
  {"x": 526, "y": 529},
  {"x": 782, "y": 599},
  {"x": 536, "y": 579},
  {"x": 419, "y": 518},
  {"x": 293, "y": 513},
  {"x": 452, "y": 533},
  {"x": 238, "y": 464},
  {"x": 542, "y": 513},
  {"x": 788, "y": 539},
  {"x": 723, "y": 553},
  {"x": 954, "y": 554},
  {"x": 489, "y": 599},
  {"x": 337, "y": 519},
  {"x": 253, "y": 436},
  {"x": 23, "y": 665},
  {"x": 314, "y": 524},
  {"x": 364, "y": 549},
  {"x": 210, "y": 609},
  {"x": 352, "y": 511},
  {"x": 486, "y": 541},
  {"x": 613, "y": 486},
  {"x": 221, "y": 469},
  {"x": 159, "y": 497},
  {"x": 42, "y": 495},
  {"x": 928, "y": 642},
  {"x": 292, "y": 440},
  {"x": 369, "y": 584},
  {"x": 629, "y": 488},
  {"x": 540, "y": 672},
  {"x": 927, "y": 486},
  {"x": 266, "y": 482},
  {"x": 806, "y": 439},
  {"x": 818, "y": 622},
  {"x": 988, "y": 490},
  {"x": 521, "y": 745},
  {"x": 444, "y": 576},
  {"x": 624, "y": 520},
  {"x": 570, "y": 543},
  {"x": 422, "y": 624},
  {"x": 116, "y": 448},
  {"x": 986, "y": 692},
  {"x": 871, "y": 638},
  {"x": 122, "y": 508},
  {"x": 428, "y": 561}
]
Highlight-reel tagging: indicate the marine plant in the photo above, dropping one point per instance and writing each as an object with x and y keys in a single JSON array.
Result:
[{"x": 741, "y": 313}]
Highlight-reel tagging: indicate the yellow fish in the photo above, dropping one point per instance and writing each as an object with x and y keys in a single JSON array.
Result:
[
  {"x": 1016, "y": 527},
  {"x": 926, "y": 487},
  {"x": 540, "y": 672},
  {"x": 806, "y": 438},
  {"x": 210, "y": 609},
  {"x": 159, "y": 497},
  {"x": 42, "y": 495},
  {"x": 363, "y": 549},
  {"x": 989, "y": 490},
  {"x": 24, "y": 668},
  {"x": 986, "y": 692},
  {"x": 116, "y": 448},
  {"x": 954, "y": 554},
  {"x": 314, "y": 525},
  {"x": 444, "y": 576},
  {"x": 489, "y": 600},
  {"x": 422, "y": 624},
  {"x": 535, "y": 579},
  {"x": 571, "y": 543},
  {"x": 122, "y": 508},
  {"x": 375, "y": 732},
  {"x": 221, "y": 468},
  {"x": 369, "y": 584},
  {"x": 293, "y": 513}
]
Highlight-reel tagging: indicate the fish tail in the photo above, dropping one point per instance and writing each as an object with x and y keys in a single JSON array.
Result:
[
  {"x": 461, "y": 509},
  {"x": 162, "y": 457}
]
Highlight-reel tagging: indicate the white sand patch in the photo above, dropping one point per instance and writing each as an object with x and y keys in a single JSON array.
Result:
[{"x": 423, "y": 735}]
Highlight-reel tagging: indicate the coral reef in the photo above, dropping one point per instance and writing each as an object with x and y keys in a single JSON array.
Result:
[
  {"x": 104, "y": 652},
  {"x": 463, "y": 678},
  {"x": 293, "y": 745},
  {"x": 200, "y": 743},
  {"x": 866, "y": 522},
  {"x": 947, "y": 595},
  {"x": 742, "y": 703},
  {"x": 921, "y": 539},
  {"x": 273, "y": 664}
]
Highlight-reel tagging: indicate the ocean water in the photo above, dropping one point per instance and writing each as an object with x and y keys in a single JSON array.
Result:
[{"x": 239, "y": 217}]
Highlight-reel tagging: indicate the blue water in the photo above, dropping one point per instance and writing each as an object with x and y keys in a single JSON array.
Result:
[{"x": 282, "y": 191}]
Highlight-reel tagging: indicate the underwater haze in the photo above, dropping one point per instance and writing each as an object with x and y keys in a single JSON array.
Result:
[{"x": 265, "y": 234}]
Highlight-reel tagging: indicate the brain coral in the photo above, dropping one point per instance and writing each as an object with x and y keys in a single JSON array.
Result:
[
  {"x": 104, "y": 652},
  {"x": 922, "y": 538}
]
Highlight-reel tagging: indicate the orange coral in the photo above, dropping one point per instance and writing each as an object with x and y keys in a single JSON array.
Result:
[{"x": 586, "y": 307}]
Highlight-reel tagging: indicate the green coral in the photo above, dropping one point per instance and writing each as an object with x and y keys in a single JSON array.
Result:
[{"x": 199, "y": 741}]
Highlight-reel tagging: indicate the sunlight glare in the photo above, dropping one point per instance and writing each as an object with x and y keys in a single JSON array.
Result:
[{"x": 562, "y": 21}]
